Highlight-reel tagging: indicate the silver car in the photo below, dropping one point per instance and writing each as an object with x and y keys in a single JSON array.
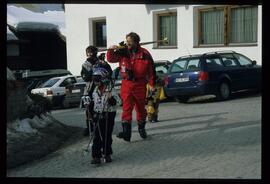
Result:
[{"x": 61, "y": 91}]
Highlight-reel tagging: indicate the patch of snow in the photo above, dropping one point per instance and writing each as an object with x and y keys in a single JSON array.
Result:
[
  {"x": 36, "y": 122},
  {"x": 37, "y": 26},
  {"x": 23, "y": 126},
  {"x": 46, "y": 118},
  {"x": 41, "y": 7},
  {"x": 16, "y": 15},
  {"x": 50, "y": 119},
  {"x": 63, "y": 31}
]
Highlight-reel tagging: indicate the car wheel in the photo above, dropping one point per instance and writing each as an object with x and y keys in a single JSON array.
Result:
[
  {"x": 224, "y": 91},
  {"x": 182, "y": 99}
]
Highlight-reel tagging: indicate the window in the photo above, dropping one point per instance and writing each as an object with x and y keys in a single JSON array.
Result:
[
  {"x": 212, "y": 27},
  {"x": 193, "y": 65},
  {"x": 244, "y": 25},
  {"x": 100, "y": 33},
  {"x": 229, "y": 60},
  {"x": 49, "y": 83},
  {"x": 243, "y": 61},
  {"x": 167, "y": 27},
  {"x": 228, "y": 25},
  {"x": 179, "y": 66},
  {"x": 68, "y": 81},
  {"x": 186, "y": 64},
  {"x": 213, "y": 63}
]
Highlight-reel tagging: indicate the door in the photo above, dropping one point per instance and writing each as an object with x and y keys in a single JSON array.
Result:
[
  {"x": 251, "y": 73},
  {"x": 214, "y": 66},
  {"x": 234, "y": 70}
]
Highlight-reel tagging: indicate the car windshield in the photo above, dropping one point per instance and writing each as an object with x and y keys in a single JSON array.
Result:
[{"x": 49, "y": 83}]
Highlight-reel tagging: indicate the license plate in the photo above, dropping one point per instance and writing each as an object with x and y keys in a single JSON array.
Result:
[
  {"x": 186, "y": 79},
  {"x": 76, "y": 91}
]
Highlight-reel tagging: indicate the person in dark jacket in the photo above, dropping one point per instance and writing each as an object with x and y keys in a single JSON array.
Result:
[{"x": 86, "y": 73}]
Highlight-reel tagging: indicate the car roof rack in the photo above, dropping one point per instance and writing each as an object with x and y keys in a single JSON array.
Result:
[{"x": 219, "y": 52}]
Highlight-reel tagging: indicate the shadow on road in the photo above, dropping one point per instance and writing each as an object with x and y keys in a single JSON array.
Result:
[
  {"x": 234, "y": 96},
  {"x": 208, "y": 126},
  {"x": 209, "y": 140},
  {"x": 193, "y": 116},
  {"x": 208, "y": 122},
  {"x": 245, "y": 94}
]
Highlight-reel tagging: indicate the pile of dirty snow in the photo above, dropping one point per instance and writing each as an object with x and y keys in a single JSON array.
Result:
[{"x": 30, "y": 139}]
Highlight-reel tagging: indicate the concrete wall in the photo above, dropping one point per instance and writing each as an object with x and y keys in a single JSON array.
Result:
[{"x": 140, "y": 18}]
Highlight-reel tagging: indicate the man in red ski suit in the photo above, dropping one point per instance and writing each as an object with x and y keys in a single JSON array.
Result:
[{"x": 136, "y": 67}]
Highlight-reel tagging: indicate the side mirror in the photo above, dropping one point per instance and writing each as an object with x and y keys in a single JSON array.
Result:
[{"x": 254, "y": 62}]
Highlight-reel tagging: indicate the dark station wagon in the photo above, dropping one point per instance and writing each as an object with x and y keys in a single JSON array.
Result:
[{"x": 219, "y": 73}]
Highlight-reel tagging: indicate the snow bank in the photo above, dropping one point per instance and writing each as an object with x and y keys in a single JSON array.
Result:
[
  {"x": 19, "y": 14},
  {"x": 37, "y": 26},
  {"x": 42, "y": 122},
  {"x": 31, "y": 139},
  {"x": 23, "y": 126},
  {"x": 28, "y": 125}
]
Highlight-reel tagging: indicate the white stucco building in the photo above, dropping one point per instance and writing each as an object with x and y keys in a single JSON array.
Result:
[{"x": 191, "y": 29}]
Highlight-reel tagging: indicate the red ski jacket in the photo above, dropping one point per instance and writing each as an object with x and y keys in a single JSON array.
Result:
[{"x": 141, "y": 63}]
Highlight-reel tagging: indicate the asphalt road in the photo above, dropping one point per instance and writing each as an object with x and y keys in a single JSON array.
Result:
[{"x": 201, "y": 139}]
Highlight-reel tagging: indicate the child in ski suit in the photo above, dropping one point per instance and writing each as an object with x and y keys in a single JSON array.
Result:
[
  {"x": 105, "y": 102},
  {"x": 153, "y": 100}
]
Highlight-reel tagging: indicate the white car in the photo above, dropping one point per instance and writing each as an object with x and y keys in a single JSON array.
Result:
[{"x": 60, "y": 91}]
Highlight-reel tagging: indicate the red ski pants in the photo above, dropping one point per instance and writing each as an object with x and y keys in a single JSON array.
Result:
[{"x": 133, "y": 94}]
